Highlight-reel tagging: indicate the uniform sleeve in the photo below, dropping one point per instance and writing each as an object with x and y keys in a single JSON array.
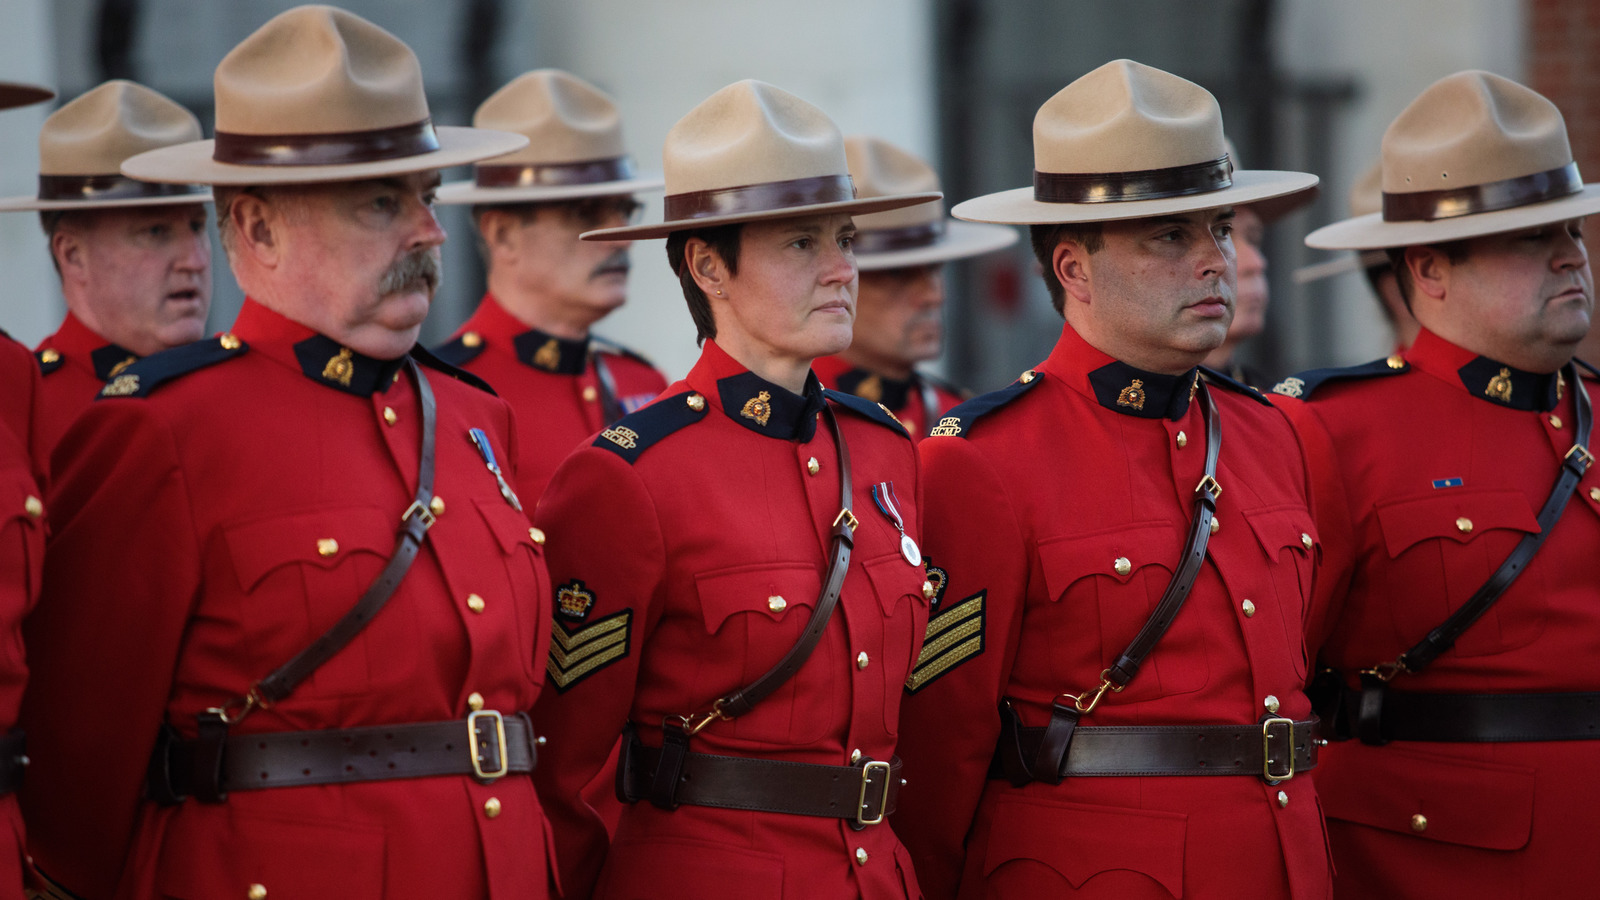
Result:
[
  {"x": 606, "y": 558},
  {"x": 121, "y": 576},
  {"x": 949, "y": 720},
  {"x": 1331, "y": 509}
]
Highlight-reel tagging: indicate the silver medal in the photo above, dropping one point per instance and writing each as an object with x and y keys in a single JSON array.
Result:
[{"x": 908, "y": 549}]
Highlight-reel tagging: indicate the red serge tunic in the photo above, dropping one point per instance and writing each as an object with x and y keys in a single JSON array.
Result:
[
  {"x": 207, "y": 528},
  {"x": 908, "y": 400},
  {"x": 552, "y": 383},
  {"x": 694, "y": 575},
  {"x": 1056, "y": 521},
  {"x": 76, "y": 364},
  {"x": 1423, "y": 484},
  {"x": 22, "y": 537}
]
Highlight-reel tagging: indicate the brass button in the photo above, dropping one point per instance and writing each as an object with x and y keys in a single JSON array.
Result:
[
  {"x": 474, "y": 701},
  {"x": 436, "y": 505},
  {"x": 928, "y": 590},
  {"x": 51, "y": 355},
  {"x": 472, "y": 339},
  {"x": 813, "y": 466},
  {"x": 230, "y": 342},
  {"x": 537, "y": 535},
  {"x": 389, "y": 415},
  {"x": 696, "y": 402},
  {"x": 855, "y": 757},
  {"x": 541, "y": 740},
  {"x": 327, "y": 546},
  {"x": 1271, "y": 703},
  {"x": 1122, "y": 565},
  {"x": 33, "y": 506},
  {"x": 1419, "y": 823},
  {"x": 862, "y": 661},
  {"x": 1555, "y": 421},
  {"x": 1594, "y": 494},
  {"x": 1464, "y": 525},
  {"x": 1216, "y": 525},
  {"x": 1028, "y": 376},
  {"x": 257, "y": 892},
  {"x": 491, "y": 807},
  {"x": 776, "y": 603},
  {"x": 1249, "y": 608},
  {"x": 589, "y": 393},
  {"x": 1183, "y": 440},
  {"x": 475, "y": 603},
  {"x": 1395, "y": 362},
  {"x": 1305, "y": 540},
  {"x": 861, "y": 856},
  {"x": 1283, "y": 798}
]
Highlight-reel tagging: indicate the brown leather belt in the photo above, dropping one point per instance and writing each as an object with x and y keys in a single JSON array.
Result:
[
  {"x": 13, "y": 762},
  {"x": 1474, "y": 718},
  {"x": 486, "y": 745},
  {"x": 1257, "y": 750},
  {"x": 863, "y": 794}
]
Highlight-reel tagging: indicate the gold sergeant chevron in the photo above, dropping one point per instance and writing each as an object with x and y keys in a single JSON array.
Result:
[
  {"x": 575, "y": 655},
  {"x": 954, "y": 636}
]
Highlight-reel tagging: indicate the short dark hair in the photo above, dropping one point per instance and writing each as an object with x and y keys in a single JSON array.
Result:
[
  {"x": 1455, "y": 251},
  {"x": 723, "y": 241},
  {"x": 1045, "y": 240}
]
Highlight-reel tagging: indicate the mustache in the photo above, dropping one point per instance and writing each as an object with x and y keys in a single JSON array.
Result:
[
  {"x": 418, "y": 270},
  {"x": 616, "y": 262}
]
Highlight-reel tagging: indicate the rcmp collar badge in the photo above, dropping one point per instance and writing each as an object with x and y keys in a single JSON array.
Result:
[
  {"x": 548, "y": 356},
  {"x": 758, "y": 408},
  {"x": 1132, "y": 395},
  {"x": 340, "y": 368}
]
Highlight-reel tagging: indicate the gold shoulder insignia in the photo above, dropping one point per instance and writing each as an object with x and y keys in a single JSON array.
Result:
[
  {"x": 890, "y": 413},
  {"x": 578, "y": 652},
  {"x": 759, "y": 408},
  {"x": 340, "y": 368},
  {"x": 121, "y": 386},
  {"x": 954, "y": 636},
  {"x": 626, "y": 438},
  {"x": 949, "y": 426}
]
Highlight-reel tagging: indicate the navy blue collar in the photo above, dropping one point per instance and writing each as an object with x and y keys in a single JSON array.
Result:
[{"x": 767, "y": 409}]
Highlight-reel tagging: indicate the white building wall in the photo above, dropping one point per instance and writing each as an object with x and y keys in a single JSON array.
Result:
[{"x": 30, "y": 296}]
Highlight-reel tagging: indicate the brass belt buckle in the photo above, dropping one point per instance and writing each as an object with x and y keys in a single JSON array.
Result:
[
  {"x": 882, "y": 768},
  {"x": 476, "y": 745},
  {"x": 1266, "y": 750}
]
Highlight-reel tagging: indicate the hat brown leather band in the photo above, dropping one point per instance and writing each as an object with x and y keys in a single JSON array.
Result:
[
  {"x": 107, "y": 187},
  {"x": 885, "y": 240},
  {"x": 1145, "y": 184},
  {"x": 751, "y": 198},
  {"x": 596, "y": 171},
  {"x": 1426, "y": 206},
  {"x": 330, "y": 149}
]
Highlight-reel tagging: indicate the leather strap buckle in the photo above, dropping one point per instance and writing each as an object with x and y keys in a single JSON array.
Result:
[
  {"x": 1585, "y": 459},
  {"x": 486, "y": 731},
  {"x": 1268, "y": 735},
  {"x": 1210, "y": 487},
  {"x": 422, "y": 513},
  {"x": 886, "y": 774}
]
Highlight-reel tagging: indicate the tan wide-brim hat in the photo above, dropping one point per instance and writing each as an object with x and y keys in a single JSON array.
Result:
[
  {"x": 1475, "y": 154},
  {"x": 1366, "y": 197},
  {"x": 1275, "y": 208},
  {"x": 319, "y": 94},
  {"x": 1128, "y": 141},
  {"x": 14, "y": 94},
  {"x": 82, "y": 146},
  {"x": 574, "y": 147},
  {"x": 752, "y": 152},
  {"x": 913, "y": 235}
]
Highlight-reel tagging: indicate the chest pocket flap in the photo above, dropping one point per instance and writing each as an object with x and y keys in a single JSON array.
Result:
[
  {"x": 893, "y": 578},
  {"x": 1280, "y": 528},
  {"x": 1117, "y": 554},
  {"x": 1459, "y": 516},
  {"x": 771, "y": 590},
  {"x": 324, "y": 538}
]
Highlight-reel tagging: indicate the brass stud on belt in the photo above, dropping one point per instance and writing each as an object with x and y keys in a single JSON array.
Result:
[{"x": 855, "y": 757}]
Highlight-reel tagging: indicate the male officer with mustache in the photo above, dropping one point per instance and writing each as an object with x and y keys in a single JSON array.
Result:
[
  {"x": 287, "y": 562},
  {"x": 530, "y": 337}
]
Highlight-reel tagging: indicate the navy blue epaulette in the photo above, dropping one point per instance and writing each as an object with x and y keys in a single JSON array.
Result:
[
  {"x": 959, "y": 421},
  {"x": 146, "y": 374},
  {"x": 877, "y": 412},
  {"x": 428, "y": 358},
  {"x": 638, "y": 431},
  {"x": 460, "y": 351},
  {"x": 606, "y": 345},
  {"x": 1581, "y": 364},
  {"x": 1221, "y": 380},
  {"x": 1302, "y": 385},
  {"x": 50, "y": 360}
]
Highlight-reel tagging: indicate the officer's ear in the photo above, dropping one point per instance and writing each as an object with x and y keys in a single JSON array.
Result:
[
  {"x": 69, "y": 250},
  {"x": 707, "y": 266},
  {"x": 256, "y": 222},
  {"x": 1070, "y": 264},
  {"x": 1430, "y": 269}
]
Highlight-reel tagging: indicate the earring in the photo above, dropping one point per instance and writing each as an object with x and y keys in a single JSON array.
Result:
[{"x": 719, "y": 293}]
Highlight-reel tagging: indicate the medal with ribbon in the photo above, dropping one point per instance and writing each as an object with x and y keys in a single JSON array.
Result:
[
  {"x": 883, "y": 497},
  {"x": 481, "y": 441}
]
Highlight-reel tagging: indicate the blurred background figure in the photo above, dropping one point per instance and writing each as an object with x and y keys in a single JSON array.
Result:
[
  {"x": 900, "y": 298},
  {"x": 133, "y": 257}
]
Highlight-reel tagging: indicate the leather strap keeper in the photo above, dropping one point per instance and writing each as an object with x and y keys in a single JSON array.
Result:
[
  {"x": 13, "y": 762},
  {"x": 1177, "y": 750},
  {"x": 1479, "y": 718},
  {"x": 473, "y": 746},
  {"x": 864, "y": 794}
]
